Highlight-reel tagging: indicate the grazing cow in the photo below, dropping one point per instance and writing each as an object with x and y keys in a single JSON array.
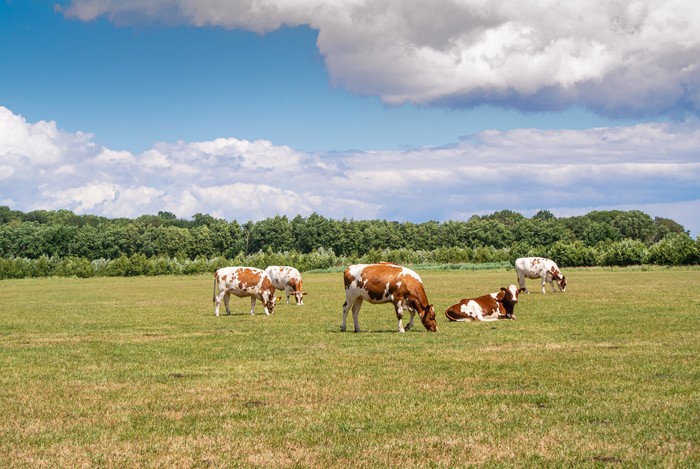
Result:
[
  {"x": 288, "y": 279},
  {"x": 539, "y": 267},
  {"x": 499, "y": 305},
  {"x": 383, "y": 283},
  {"x": 244, "y": 281}
]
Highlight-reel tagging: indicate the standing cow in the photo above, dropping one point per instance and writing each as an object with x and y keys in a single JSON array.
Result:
[
  {"x": 499, "y": 305},
  {"x": 539, "y": 267},
  {"x": 384, "y": 283},
  {"x": 244, "y": 281},
  {"x": 288, "y": 279}
]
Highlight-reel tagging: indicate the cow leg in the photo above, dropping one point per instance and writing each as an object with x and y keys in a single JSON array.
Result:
[
  {"x": 265, "y": 308},
  {"x": 217, "y": 302},
  {"x": 252, "y": 305},
  {"x": 346, "y": 308},
  {"x": 356, "y": 314},
  {"x": 410, "y": 322},
  {"x": 483, "y": 318},
  {"x": 543, "y": 283},
  {"x": 227, "y": 296},
  {"x": 521, "y": 281},
  {"x": 399, "y": 315},
  {"x": 287, "y": 291}
]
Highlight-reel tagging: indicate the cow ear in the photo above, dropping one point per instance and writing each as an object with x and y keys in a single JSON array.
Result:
[
  {"x": 504, "y": 289},
  {"x": 305, "y": 293},
  {"x": 521, "y": 289}
]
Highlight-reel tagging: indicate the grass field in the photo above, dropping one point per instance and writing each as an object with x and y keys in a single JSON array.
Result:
[{"x": 137, "y": 372}]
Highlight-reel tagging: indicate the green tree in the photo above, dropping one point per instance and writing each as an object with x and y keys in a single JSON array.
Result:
[{"x": 274, "y": 233}]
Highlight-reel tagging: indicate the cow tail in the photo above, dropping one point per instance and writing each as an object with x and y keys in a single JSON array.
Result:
[{"x": 216, "y": 278}]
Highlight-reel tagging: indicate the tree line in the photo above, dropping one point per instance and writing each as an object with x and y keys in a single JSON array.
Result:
[{"x": 61, "y": 242}]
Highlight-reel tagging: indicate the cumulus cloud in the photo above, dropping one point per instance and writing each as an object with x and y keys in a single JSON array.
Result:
[
  {"x": 652, "y": 166},
  {"x": 615, "y": 57}
]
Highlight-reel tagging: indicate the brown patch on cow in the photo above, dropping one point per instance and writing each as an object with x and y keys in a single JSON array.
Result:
[
  {"x": 348, "y": 278},
  {"x": 249, "y": 279},
  {"x": 266, "y": 283},
  {"x": 374, "y": 279}
]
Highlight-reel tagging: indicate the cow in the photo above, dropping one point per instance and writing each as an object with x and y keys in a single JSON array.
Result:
[
  {"x": 383, "y": 283},
  {"x": 499, "y": 305},
  {"x": 288, "y": 279},
  {"x": 539, "y": 267},
  {"x": 242, "y": 282}
]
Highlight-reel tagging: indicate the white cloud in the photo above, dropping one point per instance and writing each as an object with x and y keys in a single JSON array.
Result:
[
  {"x": 613, "y": 56},
  {"x": 650, "y": 165}
]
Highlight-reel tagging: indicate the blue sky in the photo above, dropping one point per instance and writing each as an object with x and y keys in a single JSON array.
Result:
[{"x": 247, "y": 110}]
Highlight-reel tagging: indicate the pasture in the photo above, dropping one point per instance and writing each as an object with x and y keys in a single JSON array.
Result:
[{"x": 138, "y": 372}]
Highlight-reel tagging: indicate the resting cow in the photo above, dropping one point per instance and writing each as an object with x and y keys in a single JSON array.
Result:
[
  {"x": 384, "y": 283},
  {"x": 288, "y": 279},
  {"x": 539, "y": 267},
  {"x": 499, "y": 305},
  {"x": 242, "y": 282}
]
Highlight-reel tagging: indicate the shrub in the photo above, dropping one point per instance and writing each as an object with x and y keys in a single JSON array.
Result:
[{"x": 674, "y": 249}]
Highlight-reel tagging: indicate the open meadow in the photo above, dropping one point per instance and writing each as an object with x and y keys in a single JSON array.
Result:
[{"x": 138, "y": 372}]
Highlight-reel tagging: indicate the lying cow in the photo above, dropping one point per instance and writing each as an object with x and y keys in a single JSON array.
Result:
[
  {"x": 384, "y": 283},
  {"x": 539, "y": 267},
  {"x": 288, "y": 279},
  {"x": 499, "y": 305},
  {"x": 244, "y": 281}
]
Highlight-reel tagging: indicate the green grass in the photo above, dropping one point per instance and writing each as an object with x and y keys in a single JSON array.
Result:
[{"x": 138, "y": 372}]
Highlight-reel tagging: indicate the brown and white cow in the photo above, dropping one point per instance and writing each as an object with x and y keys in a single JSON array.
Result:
[
  {"x": 242, "y": 282},
  {"x": 288, "y": 279},
  {"x": 499, "y": 305},
  {"x": 539, "y": 267},
  {"x": 384, "y": 283}
]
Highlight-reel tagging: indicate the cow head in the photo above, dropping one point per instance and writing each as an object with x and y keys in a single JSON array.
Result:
[
  {"x": 556, "y": 275},
  {"x": 296, "y": 287},
  {"x": 509, "y": 297},
  {"x": 299, "y": 296},
  {"x": 270, "y": 301},
  {"x": 427, "y": 317}
]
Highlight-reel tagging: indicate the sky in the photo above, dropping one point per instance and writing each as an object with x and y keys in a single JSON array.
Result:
[{"x": 386, "y": 109}]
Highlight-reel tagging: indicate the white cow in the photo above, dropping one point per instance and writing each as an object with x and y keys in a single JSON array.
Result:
[
  {"x": 539, "y": 267},
  {"x": 288, "y": 279},
  {"x": 242, "y": 282}
]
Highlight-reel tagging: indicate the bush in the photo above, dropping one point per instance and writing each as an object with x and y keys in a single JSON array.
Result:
[
  {"x": 674, "y": 249},
  {"x": 625, "y": 252}
]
